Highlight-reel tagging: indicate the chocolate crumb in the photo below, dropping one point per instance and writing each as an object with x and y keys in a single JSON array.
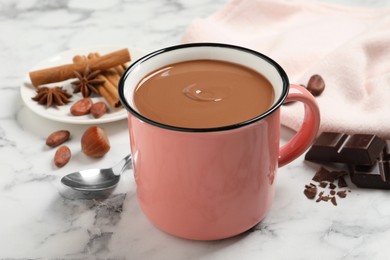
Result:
[
  {"x": 323, "y": 184},
  {"x": 324, "y": 175},
  {"x": 341, "y": 183},
  {"x": 325, "y": 180},
  {"x": 333, "y": 200},
  {"x": 310, "y": 192},
  {"x": 320, "y": 196},
  {"x": 342, "y": 194}
]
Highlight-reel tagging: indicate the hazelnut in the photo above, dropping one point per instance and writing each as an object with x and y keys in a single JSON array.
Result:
[{"x": 94, "y": 142}]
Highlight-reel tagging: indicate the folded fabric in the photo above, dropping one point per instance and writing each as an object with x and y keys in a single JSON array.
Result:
[{"x": 348, "y": 46}]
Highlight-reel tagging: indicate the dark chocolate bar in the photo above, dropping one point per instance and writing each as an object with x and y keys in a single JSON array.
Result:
[
  {"x": 357, "y": 149},
  {"x": 367, "y": 157},
  {"x": 377, "y": 177}
]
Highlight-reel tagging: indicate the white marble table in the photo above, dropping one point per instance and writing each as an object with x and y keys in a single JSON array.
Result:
[{"x": 40, "y": 219}]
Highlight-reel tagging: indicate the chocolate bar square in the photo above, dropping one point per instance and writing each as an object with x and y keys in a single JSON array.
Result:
[
  {"x": 358, "y": 149},
  {"x": 378, "y": 177},
  {"x": 326, "y": 147},
  {"x": 362, "y": 149}
]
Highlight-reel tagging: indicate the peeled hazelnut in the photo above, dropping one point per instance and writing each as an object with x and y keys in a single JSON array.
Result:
[{"x": 94, "y": 142}]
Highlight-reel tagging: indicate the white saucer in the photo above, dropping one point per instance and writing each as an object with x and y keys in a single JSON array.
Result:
[{"x": 62, "y": 113}]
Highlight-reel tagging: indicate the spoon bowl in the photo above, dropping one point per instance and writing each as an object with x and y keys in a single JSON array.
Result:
[{"x": 93, "y": 180}]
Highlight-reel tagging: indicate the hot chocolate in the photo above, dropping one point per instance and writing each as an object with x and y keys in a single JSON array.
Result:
[{"x": 203, "y": 94}]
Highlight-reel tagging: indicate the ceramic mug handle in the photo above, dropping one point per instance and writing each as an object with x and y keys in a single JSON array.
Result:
[{"x": 311, "y": 122}]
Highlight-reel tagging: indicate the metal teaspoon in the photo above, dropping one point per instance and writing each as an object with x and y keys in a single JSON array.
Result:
[{"x": 93, "y": 180}]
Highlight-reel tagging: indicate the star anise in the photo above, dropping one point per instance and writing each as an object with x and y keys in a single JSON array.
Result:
[
  {"x": 87, "y": 82},
  {"x": 52, "y": 96}
]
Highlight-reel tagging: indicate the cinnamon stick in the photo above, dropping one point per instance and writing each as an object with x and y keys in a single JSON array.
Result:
[
  {"x": 64, "y": 72},
  {"x": 119, "y": 69},
  {"x": 125, "y": 66},
  {"x": 114, "y": 103},
  {"x": 108, "y": 90},
  {"x": 111, "y": 74},
  {"x": 113, "y": 77},
  {"x": 77, "y": 60}
]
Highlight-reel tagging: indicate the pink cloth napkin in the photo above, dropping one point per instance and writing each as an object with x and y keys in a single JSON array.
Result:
[{"x": 349, "y": 47}]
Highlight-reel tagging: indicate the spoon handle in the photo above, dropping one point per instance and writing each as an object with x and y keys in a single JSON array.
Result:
[{"x": 122, "y": 165}]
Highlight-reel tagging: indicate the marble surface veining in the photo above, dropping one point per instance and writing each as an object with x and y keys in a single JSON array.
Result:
[{"x": 41, "y": 219}]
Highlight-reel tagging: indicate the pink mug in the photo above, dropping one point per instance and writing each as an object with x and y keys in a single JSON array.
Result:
[{"x": 213, "y": 183}]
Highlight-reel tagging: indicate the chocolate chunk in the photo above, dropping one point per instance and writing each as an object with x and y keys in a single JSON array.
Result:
[
  {"x": 310, "y": 192},
  {"x": 324, "y": 175},
  {"x": 332, "y": 192},
  {"x": 320, "y": 196},
  {"x": 316, "y": 85},
  {"x": 332, "y": 186},
  {"x": 342, "y": 194},
  {"x": 341, "y": 183},
  {"x": 326, "y": 198},
  {"x": 323, "y": 184},
  {"x": 333, "y": 200},
  {"x": 358, "y": 149}
]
